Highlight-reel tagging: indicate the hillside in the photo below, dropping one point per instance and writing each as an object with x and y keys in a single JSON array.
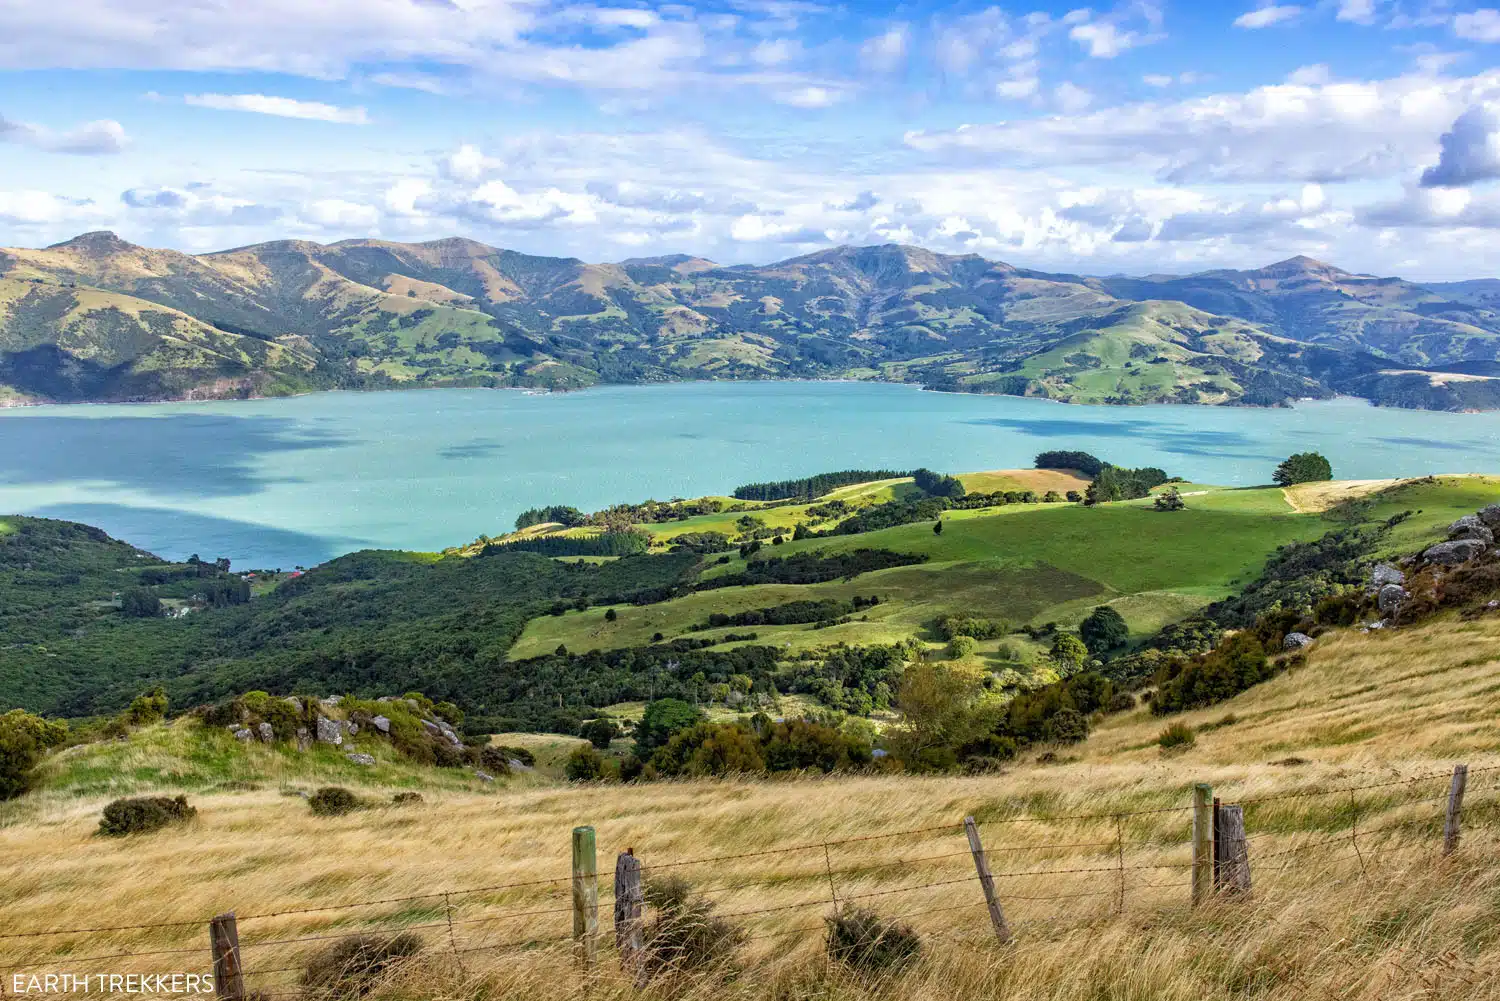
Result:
[
  {"x": 1089, "y": 850},
  {"x": 290, "y": 315}
]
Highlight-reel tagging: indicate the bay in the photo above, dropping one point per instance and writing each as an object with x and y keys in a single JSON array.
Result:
[{"x": 277, "y": 483}]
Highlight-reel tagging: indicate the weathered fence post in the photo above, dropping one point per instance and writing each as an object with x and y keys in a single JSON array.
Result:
[
  {"x": 1451, "y": 826},
  {"x": 1203, "y": 842},
  {"x": 1231, "y": 852},
  {"x": 585, "y": 897},
  {"x": 630, "y": 902},
  {"x": 229, "y": 974},
  {"x": 987, "y": 881}
]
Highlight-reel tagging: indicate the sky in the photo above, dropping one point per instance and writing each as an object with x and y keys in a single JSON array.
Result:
[{"x": 1150, "y": 136}]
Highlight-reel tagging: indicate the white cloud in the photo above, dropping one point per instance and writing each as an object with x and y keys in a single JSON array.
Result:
[
  {"x": 1310, "y": 76},
  {"x": 23, "y": 208},
  {"x": 1264, "y": 17},
  {"x": 775, "y": 52},
  {"x": 1102, "y": 39},
  {"x": 339, "y": 214},
  {"x": 1018, "y": 88},
  {"x": 886, "y": 52},
  {"x": 1482, "y": 25},
  {"x": 1071, "y": 98},
  {"x": 92, "y": 138},
  {"x": 809, "y": 97},
  {"x": 282, "y": 107},
  {"x": 1158, "y": 80},
  {"x": 1470, "y": 151},
  {"x": 1357, "y": 11}
]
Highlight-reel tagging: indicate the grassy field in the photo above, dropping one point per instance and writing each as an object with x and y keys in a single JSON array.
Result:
[{"x": 1374, "y": 918}]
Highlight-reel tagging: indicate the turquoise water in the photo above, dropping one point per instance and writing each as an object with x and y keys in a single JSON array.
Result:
[{"x": 275, "y": 483}]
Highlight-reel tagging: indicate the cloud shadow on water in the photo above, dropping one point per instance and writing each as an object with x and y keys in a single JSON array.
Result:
[
  {"x": 479, "y": 448},
  {"x": 1443, "y": 446},
  {"x": 174, "y": 535},
  {"x": 198, "y": 455},
  {"x": 1172, "y": 441}
]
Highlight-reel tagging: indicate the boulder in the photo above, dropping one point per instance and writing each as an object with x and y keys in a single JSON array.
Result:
[
  {"x": 1451, "y": 554},
  {"x": 1470, "y": 527},
  {"x": 267, "y": 734},
  {"x": 1490, "y": 516},
  {"x": 294, "y": 703},
  {"x": 304, "y": 739},
  {"x": 382, "y": 724},
  {"x": 518, "y": 766},
  {"x": 1391, "y": 598},
  {"x": 351, "y": 727},
  {"x": 243, "y": 733},
  {"x": 332, "y": 700},
  {"x": 330, "y": 732},
  {"x": 1383, "y": 573},
  {"x": 483, "y": 776},
  {"x": 1296, "y": 641},
  {"x": 360, "y": 759}
]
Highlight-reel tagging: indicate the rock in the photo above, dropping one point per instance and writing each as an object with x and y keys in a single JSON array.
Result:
[
  {"x": 1451, "y": 554},
  {"x": 382, "y": 724},
  {"x": 518, "y": 766},
  {"x": 385, "y": 698},
  {"x": 483, "y": 776},
  {"x": 1296, "y": 641},
  {"x": 243, "y": 733},
  {"x": 1470, "y": 527},
  {"x": 267, "y": 734},
  {"x": 350, "y": 727},
  {"x": 332, "y": 700},
  {"x": 360, "y": 759},
  {"x": 1383, "y": 573},
  {"x": 294, "y": 703},
  {"x": 1391, "y": 598},
  {"x": 1490, "y": 516},
  {"x": 330, "y": 732},
  {"x": 304, "y": 739}
]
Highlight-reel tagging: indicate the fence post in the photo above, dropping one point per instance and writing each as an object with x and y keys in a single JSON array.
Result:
[
  {"x": 224, "y": 940},
  {"x": 629, "y": 904},
  {"x": 1231, "y": 852},
  {"x": 585, "y": 897},
  {"x": 1451, "y": 831},
  {"x": 987, "y": 881},
  {"x": 1203, "y": 842}
]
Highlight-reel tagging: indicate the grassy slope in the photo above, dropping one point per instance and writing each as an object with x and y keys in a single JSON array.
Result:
[{"x": 1322, "y": 923}]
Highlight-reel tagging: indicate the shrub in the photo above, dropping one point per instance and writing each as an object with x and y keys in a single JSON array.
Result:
[
  {"x": 686, "y": 935},
  {"x": 1170, "y": 499},
  {"x": 960, "y": 647},
  {"x": 585, "y": 764},
  {"x": 862, "y": 940},
  {"x": 1121, "y": 702},
  {"x": 1177, "y": 735},
  {"x": 1233, "y": 666},
  {"x": 149, "y": 707},
  {"x": 611, "y": 615},
  {"x": 24, "y": 738},
  {"x": 139, "y": 603},
  {"x": 1068, "y": 652},
  {"x": 406, "y": 798},
  {"x": 1067, "y": 726},
  {"x": 351, "y": 967},
  {"x": 333, "y": 801},
  {"x": 520, "y": 754},
  {"x": 143, "y": 814},
  {"x": 495, "y": 760},
  {"x": 661, "y": 720},
  {"x": 711, "y": 749},
  {"x": 600, "y": 732}
]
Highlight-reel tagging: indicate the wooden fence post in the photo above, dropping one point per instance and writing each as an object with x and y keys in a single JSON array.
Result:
[
  {"x": 229, "y": 974},
  {"x": 1231, "y": 852},
  {"x": 585, "y": 897},
  {"x": 1451, "y": 826},
  {"x": 987, "y": 881},
  {"x": 630, "y": 901},
  {"x": 1203, "y": 842}
]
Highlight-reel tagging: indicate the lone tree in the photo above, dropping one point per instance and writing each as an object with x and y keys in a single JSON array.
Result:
[
  {"x": 1170, "y": 500},
  {"x": 1103, "y": 630},
  {"x": 1304, "y": 467},
  {"x": 937, "y": 527}
]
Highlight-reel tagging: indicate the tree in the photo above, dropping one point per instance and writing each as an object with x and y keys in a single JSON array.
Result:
[
  {"x": 149, "y": 707},
  {"x": 660, "y": 721},
  {"x": 585, "y": 764},
  {"x": 24, "y": 738},
  {"x": 937, "y": 527},
  {"x": 139, "y": 603},
  {"x": 611, "y": 615},
  {"x": 1069, "y": 653},
  {"x": 1304, "y": 467},
  {"x": 1170, "y": 500},
  {"x": 1103, "y": 630},
  {"x": 600, "y": 732},
  {"x": 960, "y": 647},
  {"x": 936, "y": 702}
]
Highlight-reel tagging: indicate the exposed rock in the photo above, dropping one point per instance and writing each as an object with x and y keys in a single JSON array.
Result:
[
  {"x": 1451, "y": 554},
  {"x": 385, "y": 698},
  {"x": 483, "y": 776},
  {"x": 1391, "y": 598},
  {"x": 294, "y": 703},
  {"x": 413, "y": 705},
  {"x": 304, "y": 739},
  {"x": 360, "y": 759},
  {"x": 1470, "y": 527},
  {"x": 382, "y": 724},
  {"x": 1296, "y": 641},
  {"x": 330, "y": 732},
  {"x": 243, "y": 733},
  {"x": 332, "y": 700},
  {"x": 1383, "y": 573},
  {"x": 518, "y": 766},
  {"x": 1490, "y": 516},
  {"x": 267, "y": 734},
  {"x": 351, "y": 727}
]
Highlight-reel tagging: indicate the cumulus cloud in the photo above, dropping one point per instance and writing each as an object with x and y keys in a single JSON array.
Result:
[
  {"x": 282, "y": 107},
  {"x": 339, "y": 214},
  {"x": 886, "y": 52},
  {"x": 1470, "y": 151},
  {"x": 1357, "y": 11},
  {"x": 1482, "y": 25},
  {"x": 1264, "y": 17},
  {"x": 89, "y": 139}
]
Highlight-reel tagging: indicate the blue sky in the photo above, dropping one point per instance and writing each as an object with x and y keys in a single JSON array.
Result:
[{"x": 1145, "y": 136}]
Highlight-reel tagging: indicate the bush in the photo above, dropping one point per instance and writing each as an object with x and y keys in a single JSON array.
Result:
[
  {"x": 149, "y": 707},
  {"x": 144, "y": 814},
  {"x": 1121, "y": 702},
  {"x": 660, "y": 721},
  {"x": 351, "y": 967},
  {"x": 333, "y": 801},
  {"x": 406, "y": 798},
  {"x": 24, "y": 738},
  {"x": 862, "y": 940},
  {"x": 1103, "y": 630},
  {"x": 495, "y": 760},
  {"x": 1175, "y": 736},
  {"x": 585, "y": 764},
  {"x": 1233, "y": 666},
  {"x": 960, "y": 647},
  {"x": 1170, "y": 499},
  {"x": 686, "y": 935},
  {"x": 1067, "y": 726},
  {"x": 520, "y": 754},
  {"x": 600, "y": 732}
]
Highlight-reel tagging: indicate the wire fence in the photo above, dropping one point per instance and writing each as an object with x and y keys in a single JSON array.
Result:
[{"x": 1107, "y": 864}]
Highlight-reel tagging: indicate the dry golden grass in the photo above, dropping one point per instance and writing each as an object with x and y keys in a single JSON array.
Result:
[
  {"x": 1314, "y": 498},
  {"x": 1040, "y": 480},
  {"x": 1388, "y": 920}
]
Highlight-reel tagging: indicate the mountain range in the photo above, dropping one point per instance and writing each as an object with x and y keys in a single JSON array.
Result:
[{"x": 99, "y": 319}]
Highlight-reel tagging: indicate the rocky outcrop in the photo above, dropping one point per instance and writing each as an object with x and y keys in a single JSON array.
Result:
[
  {"x": 1471, "y": 527},
  {"x": 1490, "y": 516},
  {"x": 1383, "y": 573},
  {"x": 381, "y": 723},
  {"x": 1451, "y": 554},
  {"x": 360, "y": 759},
  {"x": 1391, "y": 598},
  {"x": 1296, "y": 641},
  {"x": 329, "y": 732},
  {"x": 243, "y": 734},
  {"x": 267, "y": 733}
]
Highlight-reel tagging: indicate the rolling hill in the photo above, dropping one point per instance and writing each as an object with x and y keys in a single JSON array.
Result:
[{"x": 97, "y": 318}]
